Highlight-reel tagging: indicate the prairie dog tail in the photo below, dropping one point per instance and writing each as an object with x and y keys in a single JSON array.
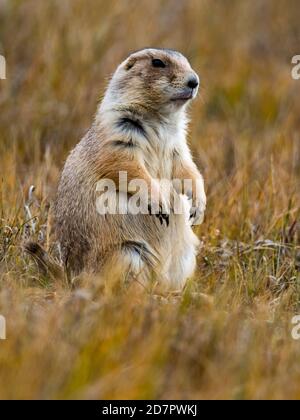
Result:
[{"x": 44, "y": 261}]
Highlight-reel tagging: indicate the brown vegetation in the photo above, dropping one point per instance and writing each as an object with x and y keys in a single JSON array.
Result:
[{"x": 229, "y": 334}]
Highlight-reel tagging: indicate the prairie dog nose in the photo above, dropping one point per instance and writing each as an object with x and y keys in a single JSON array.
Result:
[{"x": 193, "y": 82}]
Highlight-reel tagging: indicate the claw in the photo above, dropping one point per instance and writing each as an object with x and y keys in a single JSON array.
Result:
[
  {"x": 194, "y": 212},
  {"x": 196, "y": 217},
  {"x": 161, "y": 216},
  {"x": 166, "y": 219},
  {"x": 192, "y": 215}
]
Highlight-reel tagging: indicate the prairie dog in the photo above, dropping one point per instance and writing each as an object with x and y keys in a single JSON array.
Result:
[{"x": 139, "y": 129}]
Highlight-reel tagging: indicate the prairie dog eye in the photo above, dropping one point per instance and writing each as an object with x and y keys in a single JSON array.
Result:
[{"x": 156, "y": 62}]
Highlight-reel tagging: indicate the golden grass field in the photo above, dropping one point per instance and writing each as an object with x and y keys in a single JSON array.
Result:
[{"x": 228, "y": 335}]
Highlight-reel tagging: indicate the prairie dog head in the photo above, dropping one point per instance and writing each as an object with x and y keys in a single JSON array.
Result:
[{"x": 158, "y": 80}]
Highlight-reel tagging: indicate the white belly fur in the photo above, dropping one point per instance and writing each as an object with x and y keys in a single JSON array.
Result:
[{"x": 180, "y": 250}]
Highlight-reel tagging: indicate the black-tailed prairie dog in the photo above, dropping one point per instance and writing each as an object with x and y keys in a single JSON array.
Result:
[{"x": 139, "y": 130}]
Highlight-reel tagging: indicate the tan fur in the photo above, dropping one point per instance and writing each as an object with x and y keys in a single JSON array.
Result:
[{"x": 152, "y": 145}]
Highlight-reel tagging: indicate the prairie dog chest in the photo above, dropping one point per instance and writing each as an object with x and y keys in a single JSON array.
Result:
[
  {"x": 159, "y": 163},
  {"x": 160, "y": 152}
]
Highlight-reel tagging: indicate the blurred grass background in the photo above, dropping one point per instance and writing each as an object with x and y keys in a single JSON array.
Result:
[{"x": 229, "y": 334}]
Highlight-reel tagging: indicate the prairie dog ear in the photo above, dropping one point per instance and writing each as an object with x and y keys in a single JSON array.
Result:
[{"x": 130, "y": 63}]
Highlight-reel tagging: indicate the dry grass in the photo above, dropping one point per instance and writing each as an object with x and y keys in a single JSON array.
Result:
[{"x": 229, "y": 334}]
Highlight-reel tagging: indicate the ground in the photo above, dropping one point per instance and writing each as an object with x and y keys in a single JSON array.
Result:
[{"x": 228, "y": 335}]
